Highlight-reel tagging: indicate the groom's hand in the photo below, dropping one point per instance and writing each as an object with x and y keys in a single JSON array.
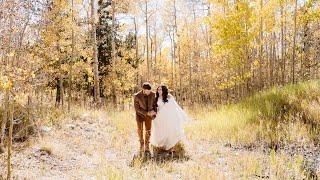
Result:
[{"x": 151, "y": 113}]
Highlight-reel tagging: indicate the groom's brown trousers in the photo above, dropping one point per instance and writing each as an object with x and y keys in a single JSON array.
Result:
[{"x": 147, "y": 123}]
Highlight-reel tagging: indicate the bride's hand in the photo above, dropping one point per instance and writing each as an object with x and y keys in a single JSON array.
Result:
[{"x": 151, "y": 113}]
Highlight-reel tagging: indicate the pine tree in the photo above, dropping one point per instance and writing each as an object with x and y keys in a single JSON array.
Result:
[{"x": 104, "y": 36}]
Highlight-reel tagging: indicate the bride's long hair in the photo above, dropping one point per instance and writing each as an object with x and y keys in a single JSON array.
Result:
[{"x": 164, "y": 93}]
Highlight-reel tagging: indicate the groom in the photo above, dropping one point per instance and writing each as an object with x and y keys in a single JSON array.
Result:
[{"x": 145, "y": 107}]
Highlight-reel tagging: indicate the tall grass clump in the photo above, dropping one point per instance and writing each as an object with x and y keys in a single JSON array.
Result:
[{"x": 279, "y": 116}]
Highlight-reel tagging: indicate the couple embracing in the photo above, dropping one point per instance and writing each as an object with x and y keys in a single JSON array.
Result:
[{"x": 162, "y": 118}]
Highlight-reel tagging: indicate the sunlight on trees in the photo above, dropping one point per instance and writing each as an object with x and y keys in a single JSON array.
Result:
[{"x": 66, "y": 53}]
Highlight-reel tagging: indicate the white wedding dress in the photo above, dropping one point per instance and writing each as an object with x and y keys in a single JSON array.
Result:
[{"x": 167, "y": 127}]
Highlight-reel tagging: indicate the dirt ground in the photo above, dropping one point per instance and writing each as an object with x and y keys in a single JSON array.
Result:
[{"x": 89, "y": 147}]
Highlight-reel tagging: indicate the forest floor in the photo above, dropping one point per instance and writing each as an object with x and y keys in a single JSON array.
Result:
[{"x": 95, "y": 144}]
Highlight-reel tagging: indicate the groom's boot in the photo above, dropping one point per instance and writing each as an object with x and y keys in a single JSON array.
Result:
[{"x": 141, "y": 150}]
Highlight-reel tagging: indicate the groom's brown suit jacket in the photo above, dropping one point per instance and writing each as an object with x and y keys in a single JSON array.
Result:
[{"x": 143, "y": 104}]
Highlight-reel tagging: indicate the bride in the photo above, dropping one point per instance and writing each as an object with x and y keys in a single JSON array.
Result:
[{"x": 167, "y": 128}]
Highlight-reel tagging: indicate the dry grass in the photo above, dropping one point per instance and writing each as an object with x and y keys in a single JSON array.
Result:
[
  {"x": 108, "y": 157},
  {"x": 276, "y": 117},
  {"x": 281, "y": 116},
  {"x": 206, "y": 138},
  {"x": 46, "y": 149},
  {"x": 103, "y": 142}
]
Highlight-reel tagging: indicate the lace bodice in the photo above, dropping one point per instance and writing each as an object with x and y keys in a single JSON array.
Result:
[{"x": 160, "y": 103}]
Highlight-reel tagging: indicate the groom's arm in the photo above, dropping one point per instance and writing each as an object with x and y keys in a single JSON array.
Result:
[
  {"x": 137, "y": 107},
  {"x": 154, "y": 106}
]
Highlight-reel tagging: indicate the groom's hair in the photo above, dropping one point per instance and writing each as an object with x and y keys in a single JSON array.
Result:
[{"x": 146, "y": 85}]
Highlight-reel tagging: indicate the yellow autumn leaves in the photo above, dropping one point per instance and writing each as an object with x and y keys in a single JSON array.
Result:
[{"x": 5, "y": 83}]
